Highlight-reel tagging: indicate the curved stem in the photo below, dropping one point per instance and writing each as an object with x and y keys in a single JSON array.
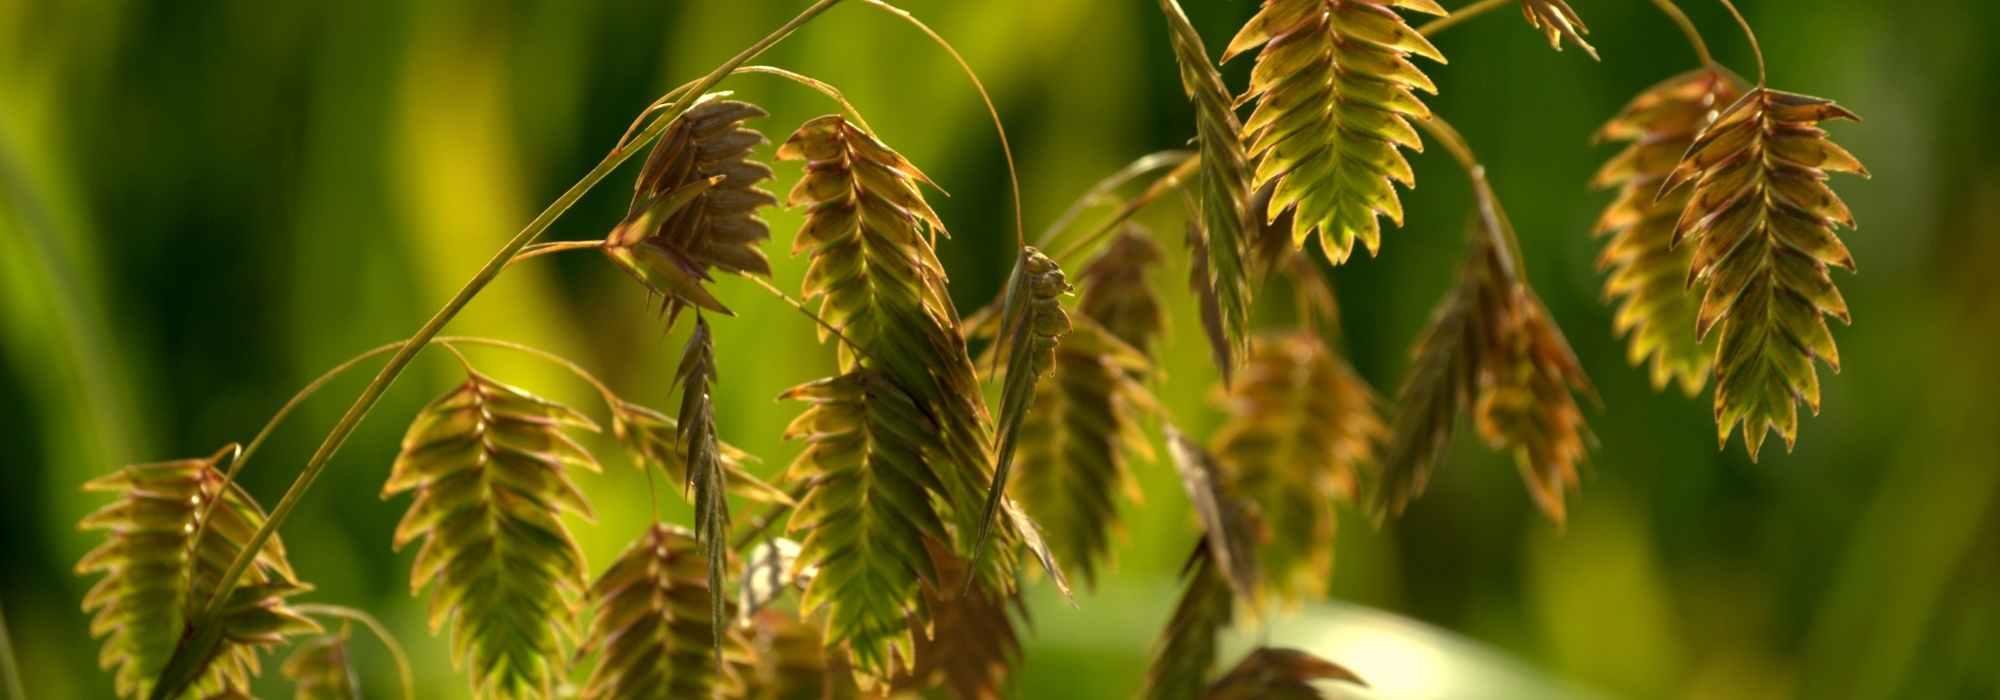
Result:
[
  {"x": 1013, "y": 177},
  {"x": 1166, "y": 183},
  {"x": 1100, "y": 191},
  {"x": 816, "y": 84},
  {"x": 611, "y": 399},
  {"x": 1750, "y": 34},
  {"x": 1459, "y": 15},
  {"x": 540, "y": 249},
  {"x": 204, "y": 635},
  {"x": 1681, "y": 20},
  {"x": 1490, "y": 213},
  {"x": 801, "y": 306},
  {"x": 376, "y": 628}
]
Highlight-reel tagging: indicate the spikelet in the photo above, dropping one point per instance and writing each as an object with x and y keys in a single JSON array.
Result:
[
  {"x": 1335, "y": 92},
  {"x": 487, "y": 463},
  {"x": 973, "y": 644},
  {"x": 650, "y": 629},
  {"x": 1271, "y": 673},
  {"x": 1555, "y": 20},
  {"x": 1444, "y": 364},
  {"x": 1075, "y": 441},
  {"x": 1224, "y": 186},
  {"x": 705, "y": 476},
  {"x": 869, "y": 517},
  {"x": 1655, "y": 312},
  {"x": 1185, "y": 654},
  {"x": 1525, "y": 405},
  {"x": 1762, "y": 221},
  {"x": 1032, "y": 323},
  {"x": 1490, "y": 348},
  {"x": 154, "y": 574},
  {"x": 695, "y": 207},
  {"x": 320, "y": 669},
  {"x": 653, "y": 438},
  {"x": 790, "y": 661},
  {"x": 869, "y": 232},
  {"x": 1115, "y": 292},
  {"x": 1301, "y": 421}
]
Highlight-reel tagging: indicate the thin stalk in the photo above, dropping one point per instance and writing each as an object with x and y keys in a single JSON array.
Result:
[
  {"x": 10, "y": 670},
  {"x": 1495, "y": 219},
  {"x": 610, "y": 397},
  {"x": 375, "y": 627},
  {"x": 202, "y": 636},
  {"x": 1166, "y": 183},
  {"x": 284, "y": 411},
  {"x": 1750, "y": 34},
  {"x": 801, "y": 306},
  {"x": 1013, "y": 178},
  {"x": 1460, "y": 15},
  {"x": 816, "y": 84},
  {"x": 1102, "y": 190},
  {"x": 1681, "y": 20},
  {"x": 540, "y": 249}
]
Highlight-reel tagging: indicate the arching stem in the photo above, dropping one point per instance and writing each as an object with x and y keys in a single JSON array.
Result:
[
  {"x": 1101, "y": 191},
  {"x": 1460, "y": 15},
  {"x": 1750, "y": 34},
  {"x": 1490, "y": 213},
  {"x": 375, "y": 627},
  {"x": 1013, "y": 177},
  {"x": 1158, "y": 188},
  {"x": 1680, "y": 19},
  {"x": 203, "y": 635}
]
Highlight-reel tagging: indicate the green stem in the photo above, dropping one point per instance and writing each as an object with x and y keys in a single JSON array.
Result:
[
  {"x": 376, "y": 628},
  {"x": 1013, "y": 178},
  {"x": 1750, "y": 34},
  {"x": 1164, "y": 184},
  {"x": 10, "y": 670},
  {"x": 380, "y": 384},
  {"x": 1490, "y": 213},
  {"x": 1103, "y": 189},
  {"x": 1680, "y": 19},
  {"x": 1460, "y": 15}
]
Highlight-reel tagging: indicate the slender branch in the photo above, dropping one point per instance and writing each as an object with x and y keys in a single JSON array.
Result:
[
  {"x": 1013, "y": 177},
  {"x": 10, "y": 670},
  {"x": 801, "y": 306},
  {"x": 1101, "y": 191},
  {"x": 1460, "y": 15},
  {"x": 540, "y": 249},
  {"x": 1750, "y": 34},
  {"x": 1166, "y": 183},
  {"x": 375, "y": 627},
  {"x": 284, "y": 411},
  {"x": 1490, "y": 212},
  {"x": 610, "y": 397},
  {"x": 821, "y": 86},
  {"x": 1681, "y": 20},
  {"x": 203, "y": 635}
]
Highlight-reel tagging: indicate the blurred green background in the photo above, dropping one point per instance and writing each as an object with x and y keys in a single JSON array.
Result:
[{"x": 203, "y": 205}]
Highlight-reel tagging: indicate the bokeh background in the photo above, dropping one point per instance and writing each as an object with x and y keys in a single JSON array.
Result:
[{"x": 203, "y": 205}]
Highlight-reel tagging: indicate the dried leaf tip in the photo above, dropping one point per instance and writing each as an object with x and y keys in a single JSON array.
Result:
[
  {"x": 1762, "y": 219},
  {"x": 1555, "y": 19}
]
